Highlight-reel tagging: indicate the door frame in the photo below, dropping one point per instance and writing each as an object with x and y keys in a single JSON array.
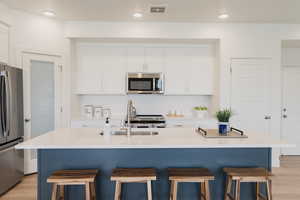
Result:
[{"x": 30, "y": 165}]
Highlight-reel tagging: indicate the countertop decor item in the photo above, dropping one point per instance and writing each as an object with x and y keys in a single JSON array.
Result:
[
  {"x": 223, "y": 117},
  {"x": 214, "y": 133},
  {"x": 88, "y": 111},
  {"x": 200, "y": 112},
  {"x": 98, "y": 112}
]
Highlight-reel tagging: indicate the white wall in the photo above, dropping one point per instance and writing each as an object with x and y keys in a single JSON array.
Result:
[{"x": 37, "y": 34}]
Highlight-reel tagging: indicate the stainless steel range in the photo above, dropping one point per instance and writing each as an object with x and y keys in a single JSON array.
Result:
[{"x": 147, "y": 121}]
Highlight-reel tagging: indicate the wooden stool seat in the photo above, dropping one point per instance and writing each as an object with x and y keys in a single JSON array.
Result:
[
  {"x": 197, "y": 175},
  {"x": 249, "y": 175},
  {"x": 72, "y": 176},
  {"x": 133, "y": 175},
  {"x": 63, "y": 178}
]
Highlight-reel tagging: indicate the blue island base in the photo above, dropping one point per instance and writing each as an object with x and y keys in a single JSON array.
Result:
[{"x": 107, "y": 159}]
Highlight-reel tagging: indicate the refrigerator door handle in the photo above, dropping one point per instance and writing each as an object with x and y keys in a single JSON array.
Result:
[
  {"x": 8, "y": 100},
  {"x": 7, "y": 107},
  {"x": 2, "y": 116}
]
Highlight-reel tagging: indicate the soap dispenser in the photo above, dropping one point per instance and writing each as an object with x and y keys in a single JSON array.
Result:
[{"x": 107, "y": 129}]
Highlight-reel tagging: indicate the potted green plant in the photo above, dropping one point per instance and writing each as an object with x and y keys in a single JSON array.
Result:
[
  {"x": 200, "y": 111},
  {"x": 223, "y": 117}
]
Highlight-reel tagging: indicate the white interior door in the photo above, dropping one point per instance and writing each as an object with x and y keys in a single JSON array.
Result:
[
  {"x": 250, "y": 94},
  {"x": 291, "y": 109},
  {"x": 42, "y": 99}
]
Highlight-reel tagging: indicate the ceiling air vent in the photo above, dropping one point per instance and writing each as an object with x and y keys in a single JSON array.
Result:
[{"x": 158, "y": 9}]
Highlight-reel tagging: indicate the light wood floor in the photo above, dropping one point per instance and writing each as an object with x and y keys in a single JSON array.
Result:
[
  {"x": 286, "y": 183},
  {"x": 26, "y": 190}
]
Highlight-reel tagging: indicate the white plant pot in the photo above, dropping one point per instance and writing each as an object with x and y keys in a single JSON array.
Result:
[{"x": 200, "y": 114}]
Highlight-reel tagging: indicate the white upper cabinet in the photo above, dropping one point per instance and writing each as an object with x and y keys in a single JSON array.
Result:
[
  {"x": 145, "y": 59},
  {"x": 113, "y": 67},
  {"x": 88, "y": 70},
  {"x": 154, "y": 59},
  {"x": 189, "y": 71},
  {"x": 101, "y": 69},
  {"x": 135, "y": 59},
  {"x": 4, "y": 43},
  {"x": 176, "y": 72}
]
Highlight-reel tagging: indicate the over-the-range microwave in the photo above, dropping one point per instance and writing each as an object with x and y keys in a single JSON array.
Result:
[{"x": 145, "y": 83}]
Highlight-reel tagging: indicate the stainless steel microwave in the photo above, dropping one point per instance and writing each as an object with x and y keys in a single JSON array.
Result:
[{"x": 145, "y": 83}]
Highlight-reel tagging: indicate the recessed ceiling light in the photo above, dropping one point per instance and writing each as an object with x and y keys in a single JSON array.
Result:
[
  {"x": 223, "y": 16},
  {"x": 137, "y": 15},
  {"x": 49, "y": 13}
]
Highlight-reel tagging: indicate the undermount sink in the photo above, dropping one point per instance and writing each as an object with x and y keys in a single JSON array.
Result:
[{"x": 134, "y": 133}]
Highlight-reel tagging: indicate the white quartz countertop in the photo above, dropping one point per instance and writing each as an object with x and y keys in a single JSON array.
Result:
[{"x": 89, "y": 138}]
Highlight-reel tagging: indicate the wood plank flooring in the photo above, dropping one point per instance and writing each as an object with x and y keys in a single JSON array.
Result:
[
  {"x": 26, "y": 190},
  {"x": 286, "y": 183}
]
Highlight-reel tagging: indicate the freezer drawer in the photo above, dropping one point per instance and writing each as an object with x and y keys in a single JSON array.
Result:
[{"x": 11, "y": 167}]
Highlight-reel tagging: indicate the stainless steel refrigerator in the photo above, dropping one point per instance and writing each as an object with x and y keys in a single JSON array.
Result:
[{"x": 11, "y": 126}]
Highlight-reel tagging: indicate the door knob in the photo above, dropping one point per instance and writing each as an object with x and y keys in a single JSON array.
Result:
[
  {"x": 267, "y": 117},
  {"x": 284, "y": 116},
  {"x": 27, "y": 120}
]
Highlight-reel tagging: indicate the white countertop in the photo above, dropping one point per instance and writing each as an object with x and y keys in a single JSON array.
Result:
[{"x": 89, "y": 138}]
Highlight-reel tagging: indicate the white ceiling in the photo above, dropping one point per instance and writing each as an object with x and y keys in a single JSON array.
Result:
[{"x": 256, "y": 11}]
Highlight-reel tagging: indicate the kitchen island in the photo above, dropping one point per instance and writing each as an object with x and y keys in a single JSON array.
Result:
[{"x": 85, "y": 148}]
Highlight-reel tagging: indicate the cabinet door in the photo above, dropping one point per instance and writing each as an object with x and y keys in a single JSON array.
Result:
[
  {"x": 4, "y": 41},
  {"x": 154, "y": 59},
  {"x": 135, "y": 59},
  {"x": 113, "y": 64},
  {"x": 177, "y": 71},
  {"x": 201, "y": 71},
  {"x": 189, "y": 71},
  {"x": 88, "y": 70}
]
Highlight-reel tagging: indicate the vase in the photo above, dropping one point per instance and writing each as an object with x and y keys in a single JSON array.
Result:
[{"x": 224, "y": 128}]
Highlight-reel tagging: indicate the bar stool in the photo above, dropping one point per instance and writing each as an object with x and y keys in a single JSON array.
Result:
[
  {"x": 63, "y": 178},
  {"x": 133, "y": 175},
  {"x": 249, "y": 175},
  {"x": 195, "y": 175}
]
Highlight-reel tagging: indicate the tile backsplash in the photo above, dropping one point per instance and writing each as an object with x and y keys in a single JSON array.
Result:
[{"x": 148, "y": 104}]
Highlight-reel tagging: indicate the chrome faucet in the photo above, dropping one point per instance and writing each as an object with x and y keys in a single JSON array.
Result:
[{"x": 129, "y": 117}]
